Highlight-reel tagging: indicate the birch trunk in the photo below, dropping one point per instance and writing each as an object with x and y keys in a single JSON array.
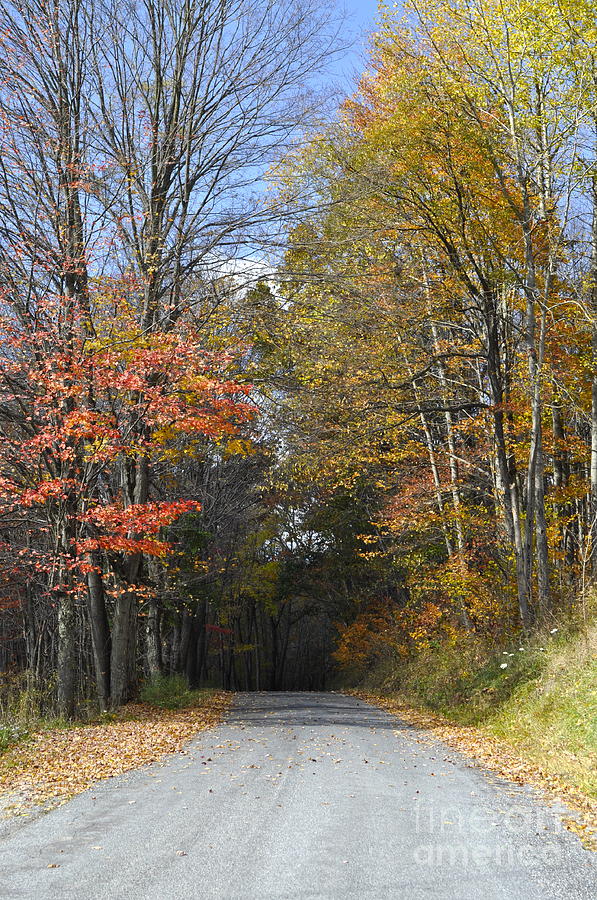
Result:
[
  {"x": 67, "y": 645},
  {"x": 153, "y": 648}
]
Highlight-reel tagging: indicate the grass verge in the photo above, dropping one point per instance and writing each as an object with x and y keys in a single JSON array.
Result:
[{"x": 528, "y": 712}]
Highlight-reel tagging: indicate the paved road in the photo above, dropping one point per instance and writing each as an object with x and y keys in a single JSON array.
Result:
[{"x": 301, "y": 796}]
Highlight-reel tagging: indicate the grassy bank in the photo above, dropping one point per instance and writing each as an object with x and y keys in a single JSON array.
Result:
[{"x": 540, "y": 696}]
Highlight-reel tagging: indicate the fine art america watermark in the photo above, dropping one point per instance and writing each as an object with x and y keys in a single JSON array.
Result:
[{"x": 455, "y": 839}]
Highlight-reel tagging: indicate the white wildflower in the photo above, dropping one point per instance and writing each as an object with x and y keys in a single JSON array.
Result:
[{"x": 504, "y": 666}]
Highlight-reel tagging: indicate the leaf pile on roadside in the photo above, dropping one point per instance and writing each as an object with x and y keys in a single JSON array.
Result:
[{"x": 58, "y": 763}]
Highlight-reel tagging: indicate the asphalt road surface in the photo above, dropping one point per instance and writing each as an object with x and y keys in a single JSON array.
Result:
[{"x": 301, "y": 796}]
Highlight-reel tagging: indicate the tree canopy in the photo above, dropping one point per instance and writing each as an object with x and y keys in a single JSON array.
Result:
[{"x": 253, "y": 459}]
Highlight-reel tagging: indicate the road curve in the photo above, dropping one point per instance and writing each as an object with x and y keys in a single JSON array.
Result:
[{"x": 301, "y": 795}]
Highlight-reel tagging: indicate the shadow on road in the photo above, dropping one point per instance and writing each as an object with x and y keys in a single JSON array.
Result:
[{"x": 276, "y": 709}]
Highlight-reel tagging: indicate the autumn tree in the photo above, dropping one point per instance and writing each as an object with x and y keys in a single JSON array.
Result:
[
  {"x": 132, "y": 149},
  {"x": 437, "y": 272}
]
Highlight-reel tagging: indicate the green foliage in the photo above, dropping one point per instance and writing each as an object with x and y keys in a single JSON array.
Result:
[
  {"x": 466, "y": 680},
  {"x": 553, "y": 718},
  {"x": 26, "y": 707},
  {"x": 171, "y": 692}
]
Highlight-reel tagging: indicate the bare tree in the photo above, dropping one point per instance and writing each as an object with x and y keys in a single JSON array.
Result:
[{"x": 134, "y": 142}]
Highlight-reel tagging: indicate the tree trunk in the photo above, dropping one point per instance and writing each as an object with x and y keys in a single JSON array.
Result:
[
  {"x": 191, "y": 655},
  {"x": 67, "y": 646},
  {"x": 593, "y": 299},
  {"x": 124, "y": 649},
  {"x": 454, "y": 474},
  {"x": 100, "y": 634},
  {"x": 175, "y": 645},
  {"x": 186, "y": 629},
  {"x": 201, "y": 664},
  {"x": 535, "y": 499},
  {"x": 135, "y": 481},
  {"x": 153, "y": 647},
  {"x": 436, "y": 482},
  {"x": 505, "y": 460},
  {"x": 542, "y": 548}
]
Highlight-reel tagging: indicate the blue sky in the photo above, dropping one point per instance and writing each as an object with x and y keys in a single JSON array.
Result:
[
  {"x": 361, "y": 17},
  {"x": 363, "y": 11}
]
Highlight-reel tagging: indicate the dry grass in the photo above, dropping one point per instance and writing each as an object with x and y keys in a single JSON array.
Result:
[{"x": 552, "y": 719}]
